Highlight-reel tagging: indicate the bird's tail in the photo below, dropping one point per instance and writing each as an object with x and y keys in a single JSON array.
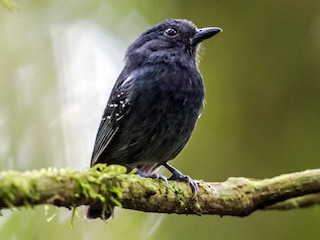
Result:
[{"x": 94, "y": 212}]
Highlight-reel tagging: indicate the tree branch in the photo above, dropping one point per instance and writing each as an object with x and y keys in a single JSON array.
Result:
[{"x": 110, "y": 186}]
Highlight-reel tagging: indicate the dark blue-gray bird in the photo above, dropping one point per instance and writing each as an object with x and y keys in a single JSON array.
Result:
[{"x": 155, "y": 102}]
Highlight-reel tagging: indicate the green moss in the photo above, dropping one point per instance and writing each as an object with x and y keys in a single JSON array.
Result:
[
  {"x": 101, "y": 175},
  {"x": 179, "y": 189},
  {"x": 94, "y": 185},
  {"x": 182, "y": 203},
  {"x": 74, "y": 214}
]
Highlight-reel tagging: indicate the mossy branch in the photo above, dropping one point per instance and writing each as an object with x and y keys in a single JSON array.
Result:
[{"x": 110, "y": 186}]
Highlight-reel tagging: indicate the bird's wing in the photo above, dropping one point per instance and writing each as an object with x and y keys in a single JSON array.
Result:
[{"x": 117, "y": 108}]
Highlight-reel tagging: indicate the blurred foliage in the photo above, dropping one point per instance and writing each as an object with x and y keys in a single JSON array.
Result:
[
  {"x": 10, "y": 5},
  {"x": 59, "y": 60}
]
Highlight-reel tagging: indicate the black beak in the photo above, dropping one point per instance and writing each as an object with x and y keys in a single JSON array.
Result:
[{"x": 204, "y": 33}]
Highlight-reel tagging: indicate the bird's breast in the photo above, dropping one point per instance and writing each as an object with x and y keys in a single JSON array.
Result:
[
  {"x": 165, "y": 104},
  {"x": 173, "y": 97}
]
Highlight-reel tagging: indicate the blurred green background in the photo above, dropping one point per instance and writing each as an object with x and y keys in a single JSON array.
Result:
[{"x": 59, "y": 60}]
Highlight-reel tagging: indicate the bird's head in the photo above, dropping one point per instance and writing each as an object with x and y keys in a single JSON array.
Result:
[{"x": 170, "y": 36}]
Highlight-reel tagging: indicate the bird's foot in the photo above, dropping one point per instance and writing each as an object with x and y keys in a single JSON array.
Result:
[
  {"x": 185, "y": 178},
  {"x": 178, "y": 176},
  {"x": 152, "y": 175}
]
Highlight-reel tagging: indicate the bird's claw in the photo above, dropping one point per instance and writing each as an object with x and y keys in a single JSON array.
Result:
[
  {"x": 185, "y": 178},
  {"x": 153, "y": 176},
  {"x": 178, "y": 176},
  {"x": 158, "y": 176}
]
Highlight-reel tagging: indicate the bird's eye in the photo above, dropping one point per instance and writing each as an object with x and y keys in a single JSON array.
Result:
[{"x": 171, "y": 32}]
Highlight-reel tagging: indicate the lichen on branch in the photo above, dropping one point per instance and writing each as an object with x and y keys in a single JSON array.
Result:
[{"x": 110, "y": 186}]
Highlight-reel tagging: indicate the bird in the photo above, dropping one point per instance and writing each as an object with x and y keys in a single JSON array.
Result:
[{"x": 154, "y": 104}]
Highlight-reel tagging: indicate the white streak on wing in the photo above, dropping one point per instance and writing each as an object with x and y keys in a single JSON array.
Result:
[
  {"x": 108, "y": 132},
  {"x": 128, "y": 79}
]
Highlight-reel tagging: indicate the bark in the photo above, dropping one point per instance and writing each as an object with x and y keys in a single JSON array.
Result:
[{"x": 110, "y": 186}]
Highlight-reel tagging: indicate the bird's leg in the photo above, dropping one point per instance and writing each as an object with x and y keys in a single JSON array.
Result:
[{"x": 178, "y": 176}]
